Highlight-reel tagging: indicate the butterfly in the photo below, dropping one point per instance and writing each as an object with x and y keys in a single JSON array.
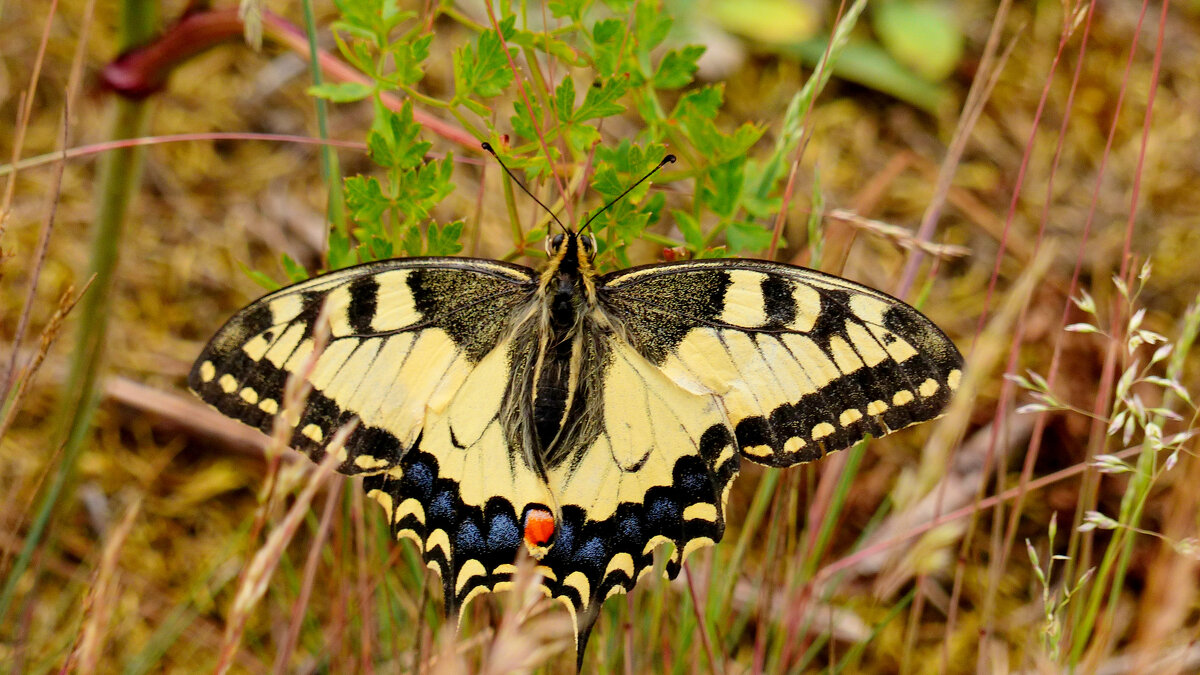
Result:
[{"x": 586, "y": 418}]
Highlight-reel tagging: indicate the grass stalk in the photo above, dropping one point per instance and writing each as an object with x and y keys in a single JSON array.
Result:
[
  {"x": 119, "y": 176},
  {"x": 300, "y": 606},
  {"x": 330, "y": 170},
  {"x": 1115, "y": 561}
]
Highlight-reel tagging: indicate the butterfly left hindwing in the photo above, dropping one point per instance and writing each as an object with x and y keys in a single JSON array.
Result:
[{"x": 658, "y": 471}]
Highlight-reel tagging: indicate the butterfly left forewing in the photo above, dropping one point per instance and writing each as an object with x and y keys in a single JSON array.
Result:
[
  {"x": 404, "y": 336},
  {"x": 804, "y": 363}
]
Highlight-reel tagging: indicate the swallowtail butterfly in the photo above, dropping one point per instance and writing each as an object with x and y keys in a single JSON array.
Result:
[{"x": 585, "y": 417}]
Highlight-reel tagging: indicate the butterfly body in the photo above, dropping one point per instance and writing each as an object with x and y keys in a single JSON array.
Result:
[{"x": 586, "y": 418}]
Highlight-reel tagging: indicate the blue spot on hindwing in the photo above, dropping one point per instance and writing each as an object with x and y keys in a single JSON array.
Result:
[
  {"x": 441, "y": 509},
  {"x": 663, "y": 513},
  {"x": 629, "y": 531},
  {"x": 503, "y": 534},
  {"x": 591, "y": 556},
  {"x": 468, "y": 543},
  {"x": 417, "y": 481}
]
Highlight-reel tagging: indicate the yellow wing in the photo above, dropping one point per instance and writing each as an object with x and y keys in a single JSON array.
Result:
[
  {"x": 803, "y": 363},
  {"x": 686, "y": 367},
  {"x": 404, "y": 337}
]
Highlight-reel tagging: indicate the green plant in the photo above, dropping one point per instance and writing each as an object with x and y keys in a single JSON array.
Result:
[{"x": 598, "y": 61}]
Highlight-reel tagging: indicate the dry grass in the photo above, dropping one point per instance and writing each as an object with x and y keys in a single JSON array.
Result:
[{"x": 906, "y": 556}]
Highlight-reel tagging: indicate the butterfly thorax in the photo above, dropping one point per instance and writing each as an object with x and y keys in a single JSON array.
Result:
[{"x": 567, "y": 295}]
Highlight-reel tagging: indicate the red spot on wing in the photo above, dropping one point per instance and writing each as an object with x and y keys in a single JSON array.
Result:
[{"x": 539, "y": 527}]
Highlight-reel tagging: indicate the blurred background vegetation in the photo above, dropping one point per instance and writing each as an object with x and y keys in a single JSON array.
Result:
[{"x": 1024, "y": 172}]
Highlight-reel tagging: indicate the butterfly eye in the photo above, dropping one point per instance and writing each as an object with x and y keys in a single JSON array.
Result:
[
  {"x": 553, "y": 243},
  {"x": 588, "y": 244}
]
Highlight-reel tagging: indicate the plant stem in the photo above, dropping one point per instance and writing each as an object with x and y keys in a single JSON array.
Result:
[
  {"x": 330, "y": 171},
  {"x": 118, "y": 177}
]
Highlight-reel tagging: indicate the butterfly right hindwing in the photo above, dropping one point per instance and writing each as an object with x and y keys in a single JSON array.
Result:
[{"x": 657, "y": 471}]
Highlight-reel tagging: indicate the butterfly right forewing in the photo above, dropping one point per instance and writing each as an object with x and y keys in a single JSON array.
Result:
[{"x": 803, "y": 362}]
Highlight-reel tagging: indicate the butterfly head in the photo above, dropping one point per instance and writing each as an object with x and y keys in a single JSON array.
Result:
[
  {"x": 571, "y": 244},
  {"x": 571, "y": 260}
]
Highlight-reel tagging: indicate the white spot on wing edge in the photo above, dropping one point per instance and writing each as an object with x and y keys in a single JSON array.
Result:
[
  {"x": 902, "y": 397},
  {"x": 437, "y": 539},
  {"x": 313, "y": 432},
  {"x": 369, "y": 462},
  {"x": 470, "y": 568},
  {"x": 475, "y": 593},
  {"x": 654, "y": 542},
  {"x": 694, "y": 545},
  {"x": 849, "y": 416},
  {"x": 794, "y": 444},
  {"x": 546, "y": 572},
  {"x": 928, "y": 388},
  {"x": 700, "y": 511},
  {"x": 413, "y": 507},
  {"x": 822, "y": 430},
  {"x": 757, "y": 450},
  {"x": 621, "y": 562},
  {"x": 954, "y": 378},
  {"x": 207, "y": 371},
  {"x": 228, "y": 383},
  {"x": 385, "y": 500},
  {"x": 579, "y": 581}
]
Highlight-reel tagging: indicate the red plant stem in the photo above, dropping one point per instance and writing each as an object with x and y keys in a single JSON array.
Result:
[
  {"x": 1007, "y": 387},
  {"x": 144, "y": 70},
  {"x": 532, "y": 117}
]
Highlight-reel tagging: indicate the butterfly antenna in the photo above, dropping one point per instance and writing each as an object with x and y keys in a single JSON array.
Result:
[
  {"x": 488, "y": 146},
  {"x": 669, "y": 159}
]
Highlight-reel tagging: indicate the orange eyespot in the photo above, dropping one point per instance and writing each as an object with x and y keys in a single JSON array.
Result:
[{"x": 539, "y": 527}]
